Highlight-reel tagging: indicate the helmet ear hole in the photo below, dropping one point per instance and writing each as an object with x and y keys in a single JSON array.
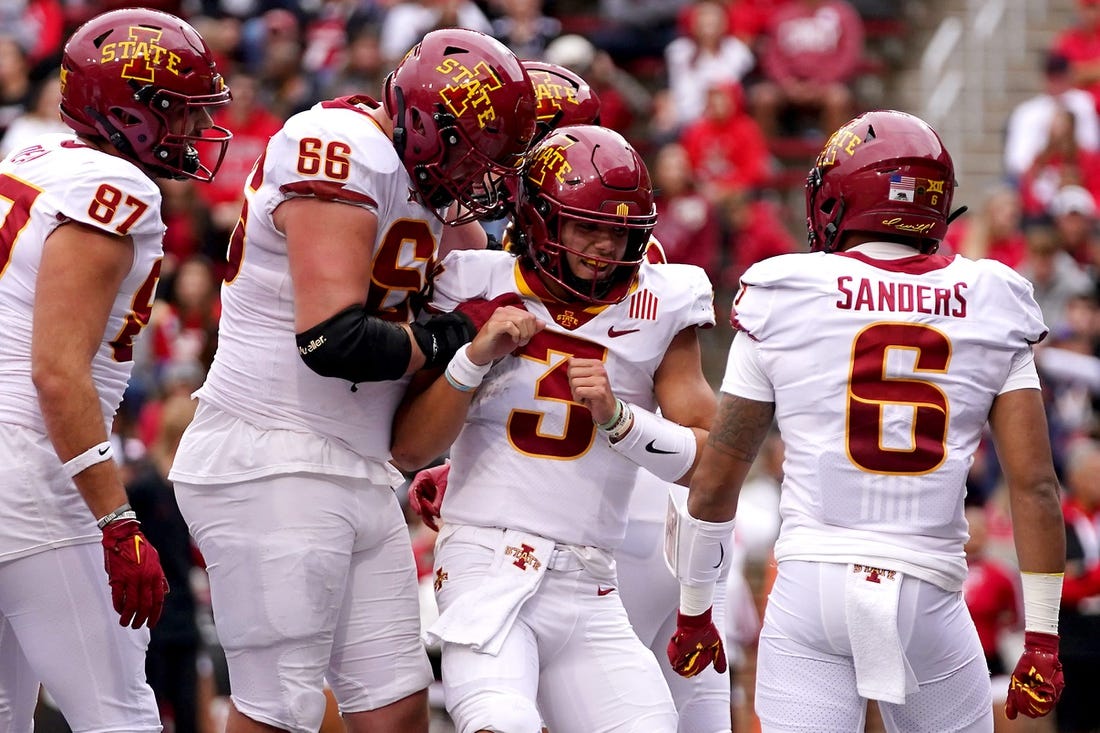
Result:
[{"x": 827, "y": 206}]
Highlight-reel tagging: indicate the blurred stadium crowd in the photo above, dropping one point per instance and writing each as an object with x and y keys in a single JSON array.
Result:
[{"x": 720, "y": 96}]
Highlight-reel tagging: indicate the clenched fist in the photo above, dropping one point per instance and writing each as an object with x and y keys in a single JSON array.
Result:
[
  {"x": 695, "y": 645},
  {"x": 1036, "y": 682}
]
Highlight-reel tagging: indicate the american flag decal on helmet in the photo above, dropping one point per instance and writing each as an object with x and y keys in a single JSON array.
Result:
[{"x": 643, "y": 305}]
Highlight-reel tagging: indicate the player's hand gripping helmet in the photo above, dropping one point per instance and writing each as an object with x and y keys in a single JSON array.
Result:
[
  {"x": 463, "y": 112},
  {"x": 563, "y": 98},
  {"x": 884, "y": 172},
  {"x": 136, "y": 78},
  {"x": 588, "y": 174}
]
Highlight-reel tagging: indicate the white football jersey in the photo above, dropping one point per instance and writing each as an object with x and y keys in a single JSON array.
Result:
[
  {"x": 883, "y": 372},
  {"x": 335, "y": 152},
  {"x": 60, "y": 179},
  {"x": 530, "y": 458}
]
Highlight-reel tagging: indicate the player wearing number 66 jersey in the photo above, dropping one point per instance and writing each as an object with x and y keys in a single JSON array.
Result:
[
  {"x": 554, "y": 407},
  {"x": 882, "y": 362},
  {"x": 80, "y": 253},
  {"x": 284, "y": 476}
]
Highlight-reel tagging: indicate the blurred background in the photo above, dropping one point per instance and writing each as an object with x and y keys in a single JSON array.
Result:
[{"x": 729, "y": 101}]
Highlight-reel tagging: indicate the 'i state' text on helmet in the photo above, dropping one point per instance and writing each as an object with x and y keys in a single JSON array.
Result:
[
  {"x": 563, "y": 98},
  {"x": 884, "y": 172},
  {"x": 591, "y": 175},
  {"x": 137, "y": 78},
  {"x": 463, "y": 112}
]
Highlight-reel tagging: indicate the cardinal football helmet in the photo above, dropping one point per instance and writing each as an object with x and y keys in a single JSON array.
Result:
[
  {"x": 463, "y": 112},
  {"x": 135, "y": 78},
  {"x": 563, "y": 97},
  {"x": 587, "y": 174},
  {"x": 884, "y": 172}
]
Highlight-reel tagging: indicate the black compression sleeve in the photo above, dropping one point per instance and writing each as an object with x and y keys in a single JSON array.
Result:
[{"x": 356, "y": 346}]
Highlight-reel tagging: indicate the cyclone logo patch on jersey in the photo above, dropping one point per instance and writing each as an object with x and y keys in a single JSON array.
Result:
[
  {"x": 469, "y": 89},
  {"x": 143, "y": 55}
]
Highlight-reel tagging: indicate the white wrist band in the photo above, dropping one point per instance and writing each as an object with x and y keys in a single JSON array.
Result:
[
  {"x": 1042, "y": 597},
  {"x": 695, "y": 599},
  {"x": 463, "y": 374},
  {"x": 96, "y": 454}
]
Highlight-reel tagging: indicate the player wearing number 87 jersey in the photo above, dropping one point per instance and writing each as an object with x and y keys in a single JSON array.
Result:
[
  {"x": 284, "y": 476},
  {"x": 882, "y": 362},
  {"x": 80, "y": 253}
]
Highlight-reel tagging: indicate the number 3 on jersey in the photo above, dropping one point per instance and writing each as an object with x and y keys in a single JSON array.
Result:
[{"x": 524, "y": 427}]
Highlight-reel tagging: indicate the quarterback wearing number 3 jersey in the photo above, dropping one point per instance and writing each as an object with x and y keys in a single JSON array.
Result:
[{"x": 555, "y": 406}]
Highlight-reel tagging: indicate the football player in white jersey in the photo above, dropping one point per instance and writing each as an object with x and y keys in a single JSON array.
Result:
[
  {"x": 284, "y": 476},
  {"x": 649, "y": 593},
  {"x": 882, "y": 362},
  {"x": 80, "y": 252},
  {"x": 552, "y": 408}
]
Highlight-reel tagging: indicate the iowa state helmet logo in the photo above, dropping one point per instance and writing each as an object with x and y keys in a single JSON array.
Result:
[{"x": 143, "y": 55}]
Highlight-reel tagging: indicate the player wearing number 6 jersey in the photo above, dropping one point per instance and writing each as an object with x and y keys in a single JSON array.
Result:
[
  {"x": 882, "y": 362},
  {"x": 284, "y": 475},
  {"x": 80, "y": 252},
  {"x": 554, "y": 406}
]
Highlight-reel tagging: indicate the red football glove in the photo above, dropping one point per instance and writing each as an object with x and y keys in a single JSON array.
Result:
[
  {"x": 1037, "y": 680},
  {"x": 426, "y": 493},
  {"x": 133, "y": 567},
  {"x": 479, "y": 309},
  {"x": 695, "y": 645}
]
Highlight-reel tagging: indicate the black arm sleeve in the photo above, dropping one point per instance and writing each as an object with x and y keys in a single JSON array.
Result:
[{"x": 356, "y": 346}]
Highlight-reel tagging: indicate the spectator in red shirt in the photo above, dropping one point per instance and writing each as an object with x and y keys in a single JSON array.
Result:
[
  {"x": 1081, "y": 45},
  {"x": 727, "y": 150},
  {"x": 1061, "y": 163},
  {"x": 755, "y": 232},
  {"x": 995, "y": 231},
  {"x": 989, "y": 591},
  {"x": 252, "y": 124},
  {"x": 687, "y": 223},
  {"x": 809, "y": 57}
]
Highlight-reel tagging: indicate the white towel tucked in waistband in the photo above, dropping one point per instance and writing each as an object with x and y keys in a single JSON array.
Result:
[
  {"x": 482, "y": 618},
  {"x": 871, "y": 609}
]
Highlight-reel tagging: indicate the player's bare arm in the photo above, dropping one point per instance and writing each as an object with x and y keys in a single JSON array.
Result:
[
  {"x": 463, "y": 236},
  {"x": 72, "y": 306},
  {"x": 331, "y": 271},
  {"x": 1020, "y": 433},
  {"x": 430, "y": 418},
  {"x": 683, "y": 392},
  {"x": 735, "y": 438}
]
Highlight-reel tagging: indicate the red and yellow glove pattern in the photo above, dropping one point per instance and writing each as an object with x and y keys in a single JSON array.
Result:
[
  {"x": 695, "y": 645},
  {"x": 1036, "y": 682},
  {"x": 133, "y": 568}
]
